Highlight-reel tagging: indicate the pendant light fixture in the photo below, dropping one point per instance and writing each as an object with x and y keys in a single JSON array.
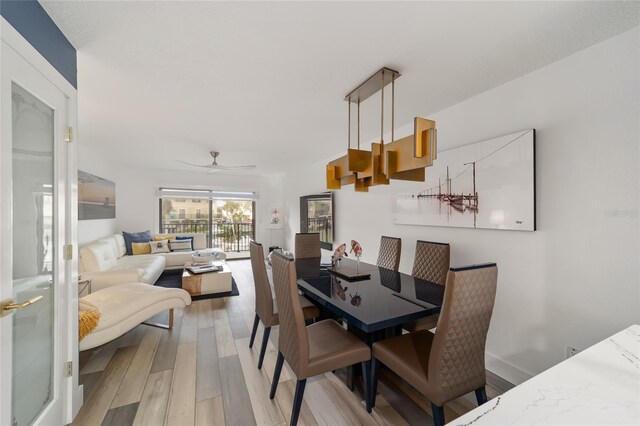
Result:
[{"x": 402, "y": 159}]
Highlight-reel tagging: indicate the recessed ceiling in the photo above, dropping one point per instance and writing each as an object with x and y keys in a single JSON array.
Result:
[{"x": 264, "y": 82}]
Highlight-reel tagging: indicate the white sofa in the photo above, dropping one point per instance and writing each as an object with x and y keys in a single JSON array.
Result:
[{"x": 106, "y": 263}]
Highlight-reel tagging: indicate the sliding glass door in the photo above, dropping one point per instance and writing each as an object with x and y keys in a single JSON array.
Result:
[{"x": 229, "y": 224}]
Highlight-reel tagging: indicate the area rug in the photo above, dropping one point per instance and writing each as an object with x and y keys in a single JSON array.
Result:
[{"x": 173, "y": 279}]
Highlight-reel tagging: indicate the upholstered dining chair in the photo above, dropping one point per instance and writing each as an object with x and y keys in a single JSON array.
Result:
[
  {"x": 389, "y": 253},
  {"x": 310, "y": 350},
  {"x": 431, "y": 263},
  {"x": 450, "y": 363},
  {"x": 266, "y": 308},
  {"x": 307, "y": 245}
]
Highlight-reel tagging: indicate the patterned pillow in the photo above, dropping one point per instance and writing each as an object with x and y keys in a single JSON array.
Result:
[
  {"x": 159, "y": 246},
  {"x": 140, "y": 248},
  {"x": 181, "y": 245}
]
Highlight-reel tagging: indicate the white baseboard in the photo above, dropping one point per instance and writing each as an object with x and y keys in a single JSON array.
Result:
[{"x": 506, "y": 371}]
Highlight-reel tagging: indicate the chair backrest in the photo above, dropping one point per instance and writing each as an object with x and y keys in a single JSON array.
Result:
[
  {"x": 293, "y": 340},
  {"x": 264, "y": 298},
  {"x": 456, "y": 362},
  {"x": 307, "y": 245},
  {"x": 389, "y": 253},
  {"x": 431, "y": 262}
]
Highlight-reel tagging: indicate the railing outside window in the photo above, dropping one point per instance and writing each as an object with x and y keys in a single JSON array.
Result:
[
  {"x": 226, "y": 236},
  {"x": 321, "y": 225}
]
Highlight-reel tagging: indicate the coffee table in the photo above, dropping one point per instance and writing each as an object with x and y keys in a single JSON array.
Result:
[{"x": 208, "y": 282}]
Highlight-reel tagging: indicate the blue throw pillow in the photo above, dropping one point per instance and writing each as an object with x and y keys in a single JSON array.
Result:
[
  {"x": 184, "y": 237},
  {"x": 135, "y": 237}
]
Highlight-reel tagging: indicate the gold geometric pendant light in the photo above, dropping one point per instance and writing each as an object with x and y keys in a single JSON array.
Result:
[{"x": 402, "y": 159}]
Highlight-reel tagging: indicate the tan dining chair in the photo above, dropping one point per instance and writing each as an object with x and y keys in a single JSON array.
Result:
[
  {"x": 431, "y": 263},
  {"x": 266, "y": 308},
  {"x": 310, "y": 350},
  {"x": 307, "y": 245},
  {"x": 450, "y": 363},
  {"x": 389, "y": 253}
]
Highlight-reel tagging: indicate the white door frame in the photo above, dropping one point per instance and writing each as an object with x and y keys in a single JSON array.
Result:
[{"x": 72, "y": 397}]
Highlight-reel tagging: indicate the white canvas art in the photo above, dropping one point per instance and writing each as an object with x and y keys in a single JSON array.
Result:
[{"x": 489, "y": 184}]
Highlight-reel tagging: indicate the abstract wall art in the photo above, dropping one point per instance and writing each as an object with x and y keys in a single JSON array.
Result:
[{"x": 488, "y": 184}]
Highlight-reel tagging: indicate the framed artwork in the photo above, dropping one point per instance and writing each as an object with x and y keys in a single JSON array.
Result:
[
  {"x": 96, "y": 197},
  {"x": 488, "y": 184}
]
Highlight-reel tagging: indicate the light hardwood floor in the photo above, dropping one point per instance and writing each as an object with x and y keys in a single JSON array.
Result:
[{"x": 203, "y": 373}]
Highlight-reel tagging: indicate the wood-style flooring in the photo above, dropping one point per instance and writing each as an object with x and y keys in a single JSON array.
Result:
[{"x": 202, "y": 372}]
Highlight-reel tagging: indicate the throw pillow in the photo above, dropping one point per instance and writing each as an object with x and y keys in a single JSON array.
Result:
[
  {"x": 140, "y": 248},
  {"x": 181, "y": 245},
  {"x": 159, "y": 246},
  {"x": 135, "y": 237},
  {"x": 184, "y": 237},
  {"x": 164, "y": 237}
]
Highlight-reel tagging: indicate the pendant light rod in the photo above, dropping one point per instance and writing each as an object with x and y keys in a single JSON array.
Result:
[
  {"x": 349, "y": 127},
  {"x": 358, "y": 123},
  {"x": 393, "y": 106},
  {"x": 382, "y": 110}
]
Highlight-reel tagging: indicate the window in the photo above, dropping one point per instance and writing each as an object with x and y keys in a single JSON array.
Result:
[
  {"x": 227, "y": 219},
  {"x": 316, "y": 215}
]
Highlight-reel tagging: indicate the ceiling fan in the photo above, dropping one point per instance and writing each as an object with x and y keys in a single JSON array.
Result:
[{"x": 215, "y": 166}]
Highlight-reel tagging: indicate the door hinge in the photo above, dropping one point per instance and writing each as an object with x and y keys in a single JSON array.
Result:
[
  {"x": 69, "y": 135},
  {"x": 68, "y": 252},
  {"x": 69, "y": 369}
]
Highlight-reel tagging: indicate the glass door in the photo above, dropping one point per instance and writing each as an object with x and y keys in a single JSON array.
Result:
[{"x": 32, "y": 271}]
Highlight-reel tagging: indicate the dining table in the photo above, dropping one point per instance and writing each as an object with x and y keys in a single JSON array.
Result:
[{"x": 375, "y": 305}]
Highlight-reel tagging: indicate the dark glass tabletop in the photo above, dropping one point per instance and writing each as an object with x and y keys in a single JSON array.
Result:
[{"x": 387, "y": 299}]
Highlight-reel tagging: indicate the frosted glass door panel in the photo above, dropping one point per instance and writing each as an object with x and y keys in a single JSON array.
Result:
[{"x": 33, "y": 254}]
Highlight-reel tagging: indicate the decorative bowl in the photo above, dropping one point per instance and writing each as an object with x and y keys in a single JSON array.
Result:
[{"x": 201, "y": 258}]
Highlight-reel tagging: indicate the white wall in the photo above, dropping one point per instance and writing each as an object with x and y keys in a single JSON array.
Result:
[
  {"x": 91, "y": 162},
  {"x": 138, "y": 206},
  {"x": 577, "y": 279}
]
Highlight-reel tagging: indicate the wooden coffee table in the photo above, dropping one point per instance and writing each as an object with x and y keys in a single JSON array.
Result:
[{"x": 208, "y": 282}]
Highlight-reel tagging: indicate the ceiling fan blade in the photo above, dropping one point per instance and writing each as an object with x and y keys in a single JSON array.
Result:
[
  {"x": 208, "y": 166},
  {"x": 247, "y": 167}
]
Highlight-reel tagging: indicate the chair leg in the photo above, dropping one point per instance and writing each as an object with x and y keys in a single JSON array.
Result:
[
  {"x": 374, "y": 382},
  {"x": 254, "y": 330},
  {"x": 297, "y": 402},
  {"x": 366, "y": 381},
  {"x": 263, "y": 349},
  {"x": 438, "y": 415},
  {"x": 481, "y": 395},
  {"x": 276, "y": 375}
]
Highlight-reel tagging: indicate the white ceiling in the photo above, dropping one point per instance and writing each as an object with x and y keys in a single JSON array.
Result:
[{"x": 264, "y": 82}]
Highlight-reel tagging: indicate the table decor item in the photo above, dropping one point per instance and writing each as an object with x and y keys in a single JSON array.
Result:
[
  {"x": 356, "y": 248},
  {"x": 338, "y": 254},
  {"x": 201, "y": 258}
]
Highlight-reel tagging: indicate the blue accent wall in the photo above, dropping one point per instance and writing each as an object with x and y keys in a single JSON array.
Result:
[{"x": 36, "y": 26}]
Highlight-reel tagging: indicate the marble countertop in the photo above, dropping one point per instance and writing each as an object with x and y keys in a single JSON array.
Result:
[{"x": 600, "y": 385}]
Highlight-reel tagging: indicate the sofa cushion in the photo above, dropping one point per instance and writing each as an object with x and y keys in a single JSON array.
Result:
[
  {"x": 122, "y": 248},
  {"x": 148, "y": 266},
  {"x": 97, "y": 257},
  {"x": 111, "y": 242},
  {"x": 135, "y": 237}
]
